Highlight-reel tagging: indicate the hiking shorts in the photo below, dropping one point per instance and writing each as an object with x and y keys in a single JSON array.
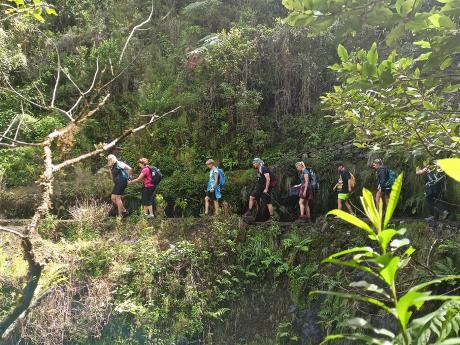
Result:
[
  {"x": 213, "y": 195},
  {"x": 306, "y": 196},
  {"x": 148, "y": 196},
  {"x": 385, "y": 191},
  {"x": 343, "y": 196},
  {"x": 259, "y": 194},
  {"x": 119, "y": 187}
]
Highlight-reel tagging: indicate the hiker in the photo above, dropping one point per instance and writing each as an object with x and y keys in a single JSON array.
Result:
[
  {"x": 148, "y": 190},
  {"x": 434, "y": 189},
  {"x": 344, "y": 187},
  {"x": 263, "y": 189},
  {"x": 120, "y": 173},
  {"x": 385, "y": 178},
  {"x": 213, "y": 188},
  {"x": 305, "y": 192}
]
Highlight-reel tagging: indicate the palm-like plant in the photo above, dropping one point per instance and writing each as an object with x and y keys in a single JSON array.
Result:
[{"x": 382, "y": 264}]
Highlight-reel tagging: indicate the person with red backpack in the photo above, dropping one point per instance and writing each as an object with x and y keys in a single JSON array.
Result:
[
  {"x": 148, "y": 192},
  {"x": 305, "y": 192},
  {"x": 265, "y": 184}
]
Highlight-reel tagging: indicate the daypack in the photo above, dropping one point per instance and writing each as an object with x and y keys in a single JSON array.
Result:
[
  {"x": 391, "y": 178},
  {"x": 314, "y": 184},
  {"x": 156, "y": 175},
  {"x": 124, "y": 173},
  {"x": 352, "y": 181},
  {"x": 222, "y": 178}
]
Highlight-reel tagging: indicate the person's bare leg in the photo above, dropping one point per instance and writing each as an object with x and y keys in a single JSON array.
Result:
[
  {"x": 251, "y": 202},
  {"x": 348, "y": 205},
  {"x": 120, "y": 206},
  {"x": 339, "y": 204},
  {"x": 301, "y": 207},
  {"x": 206, "y": 205},
  {"x": 148, "y": 209},
  {"x": 216, "y": 207},
  {"x": 378, "y": 196},
  {"x": 307, "y": 210},
  {"x": 270, "y": 209}
]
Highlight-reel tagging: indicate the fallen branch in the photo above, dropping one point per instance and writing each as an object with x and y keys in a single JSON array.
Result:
[{"x": 11, "y": 231}]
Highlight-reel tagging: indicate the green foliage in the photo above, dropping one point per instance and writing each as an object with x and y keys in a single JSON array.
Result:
[
  {"x": 28, "y": 8},
  {"x": 382, "y": 265}
]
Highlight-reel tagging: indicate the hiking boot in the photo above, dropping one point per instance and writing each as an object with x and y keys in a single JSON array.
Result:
[
  {"x": 125, "y": 214},
  {"x": 444, "y": 215},
  {"x": 149, "y": 216},
  {"x": 301, "y": 219}
]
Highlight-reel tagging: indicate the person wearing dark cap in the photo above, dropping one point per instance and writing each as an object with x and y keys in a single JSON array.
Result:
[
  {"x": 213, "y": 188},
  {"x": 344, "y": 187},
  {"x": 263, "y": 188}
]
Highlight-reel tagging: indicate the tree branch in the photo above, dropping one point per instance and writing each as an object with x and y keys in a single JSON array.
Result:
[
  {"x": 134, "y": 30},
  {"x": 113, "y": 143},
  {"x": 11, "y": 231}
]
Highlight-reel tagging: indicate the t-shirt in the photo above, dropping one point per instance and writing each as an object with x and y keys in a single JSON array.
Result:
[
  {"x": 212, "y": 178},
  {"x": 117, "y": 172},
  {"x": 147, "y": 177},
  {"x": 342, "y": 184},
  {"x": 302, "y": 175},
  {"x": 261, "y": 179}
]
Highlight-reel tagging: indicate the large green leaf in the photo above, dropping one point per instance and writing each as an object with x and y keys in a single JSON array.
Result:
[
  {"x": 352, "y": 250},
  {"x": 367, "y": 200},
  {"x": 451, "y": 166},
  {"x": 393, "y": 201},
  {"x": 370, "y": 287},
  {"x": 356, "y": 298},
  {"x": 388, "y": 272},
  {"x": 342, "y": 52},
  {"x": 353, "y": 220},
  {"x": 372, "y": 55},
  {"x": 358, "y": 322}
]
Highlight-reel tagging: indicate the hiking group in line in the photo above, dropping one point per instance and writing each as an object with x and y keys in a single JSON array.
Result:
[{"x": 150, "y": 177}]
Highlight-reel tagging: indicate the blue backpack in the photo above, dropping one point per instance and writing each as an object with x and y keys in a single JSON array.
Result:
[
  {"x": 391, "y": 178},
  {"x": 124, "y": 173},
  {"x": 222, "y": 178}
]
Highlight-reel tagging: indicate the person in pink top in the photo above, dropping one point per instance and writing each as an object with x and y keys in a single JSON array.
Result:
[{"x": 148, "y": 192}]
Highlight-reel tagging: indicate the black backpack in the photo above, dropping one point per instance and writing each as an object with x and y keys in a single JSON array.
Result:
[
  {"x": 314, "y": 184},
  {"x": 156, "y": 175},
  {"x": 273, "y": 178}
]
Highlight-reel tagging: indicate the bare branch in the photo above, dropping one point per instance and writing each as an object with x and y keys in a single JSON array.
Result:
[
  {"x": 8, "y": 128},
  {"x": 17, "y": 142},
  {"x": 114, "y": 142},
  {"x": 58, "y": 73},
  {"x": 11, "y": 231},
  {"x": 20, "y": 122},
  {"x": 134, "y": 30}
]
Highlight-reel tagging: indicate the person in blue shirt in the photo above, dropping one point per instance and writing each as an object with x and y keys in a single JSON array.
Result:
[{"x": 213, "y": 188}]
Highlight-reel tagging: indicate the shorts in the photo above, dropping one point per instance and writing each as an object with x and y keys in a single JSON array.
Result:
[
  {"x": 343, "y": 196},
  {"x": 148, "y": 196},
  {"x": 266, "y": 198},
  {"x": 385, "y": 191},
  {"x": 119, "y": 188},
  {"x": 309, "y": 194},
  {"x": 212, "y": 195}
]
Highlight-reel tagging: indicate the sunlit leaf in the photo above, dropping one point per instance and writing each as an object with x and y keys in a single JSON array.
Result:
[
  {"x": 451, "y": 166},
  {"x": 393, "y": 200},
  {"x": 353, "y": 220}
]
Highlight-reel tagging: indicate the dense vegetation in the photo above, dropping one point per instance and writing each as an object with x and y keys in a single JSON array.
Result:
[{"x": 287, "y": 80}]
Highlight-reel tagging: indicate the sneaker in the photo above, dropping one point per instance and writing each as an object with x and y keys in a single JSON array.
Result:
[
  {"x": 125, "y": 214},
  {"x": 301, "y": 220},
  {"x": 149, "y": 216},
  {"x": 429, "y": 219},
  {"x": 444, "y": 215}
]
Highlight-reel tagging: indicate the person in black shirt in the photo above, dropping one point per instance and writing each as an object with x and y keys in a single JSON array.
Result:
[
  {"x": 263, "y": 187},
  {"x": 383, "y": 190},
  {"x": 433, "y": 191},
  {"x": 343, "y": 187}
]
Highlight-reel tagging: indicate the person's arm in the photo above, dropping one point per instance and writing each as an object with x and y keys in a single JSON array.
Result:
[
  {"x": 267, "y": 182},
  {"x": 349, "y": 183},
  {"x": 422, "y": 171},
  {"x": 129, "y": 170},
  {"x": 216, "y": 179},
  {"x": 138, "y": 179}
]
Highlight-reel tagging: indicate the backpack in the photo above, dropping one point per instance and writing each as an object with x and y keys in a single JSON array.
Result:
[
  {"x": 314, "y": 184},
  {"x": 124, "y": 173},
  {"x": 222, "y": 178},
  {"x": 352, "y": 181},
  {"x": 391, "y": 178},
  {"x": 156, "y": 175}
]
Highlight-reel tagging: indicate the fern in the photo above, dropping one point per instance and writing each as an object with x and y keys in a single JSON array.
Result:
[{"x": 438, "y": 326}]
